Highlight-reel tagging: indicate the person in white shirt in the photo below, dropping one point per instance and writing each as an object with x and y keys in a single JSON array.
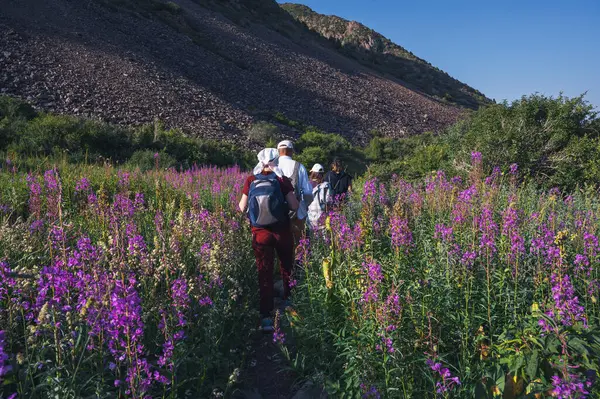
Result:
[
  {"x": 322, "y": 196},
  {"x": 296, "y": 172}
]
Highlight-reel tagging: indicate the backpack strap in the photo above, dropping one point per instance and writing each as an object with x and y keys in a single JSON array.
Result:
[
  {"x": 322, "y": 201},
  {"x": 295, "y": 178},
  {"x": 337, "y": 183}
]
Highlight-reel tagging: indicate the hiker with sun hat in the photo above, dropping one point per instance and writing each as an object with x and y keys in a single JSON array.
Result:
[
  {"x": 269, "y": 197},
  {"x": 322, "y": 196}
]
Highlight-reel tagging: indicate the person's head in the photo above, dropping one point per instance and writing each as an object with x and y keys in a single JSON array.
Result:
[
  {"x": 267, "y": 159},
  {"x": 285, "y": 148},
  {"x": 337, "y": 166},
  {"x": 317, "y": 172}
]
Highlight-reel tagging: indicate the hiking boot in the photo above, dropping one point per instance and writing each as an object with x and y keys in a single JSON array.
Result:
[{"x": 266, "y": 325}]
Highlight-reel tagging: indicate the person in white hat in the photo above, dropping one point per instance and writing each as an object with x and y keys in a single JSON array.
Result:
[
  {"x": 296, "y": 172},
  {"x": 321, "y": 197},
  {"x": 268, "y": 196}
]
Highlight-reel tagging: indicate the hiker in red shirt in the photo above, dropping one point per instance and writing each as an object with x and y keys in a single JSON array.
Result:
[{"x": 269, "y": 196}]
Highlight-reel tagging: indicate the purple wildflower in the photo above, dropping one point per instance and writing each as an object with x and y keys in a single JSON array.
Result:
[
  {"x": 83, "y": 185},
  {"x": 4, "y": 367},
  {"x": 400, "y": 233},
  {"x": 448, "y": 382},
  {"x": 370, "y": 392},
  {"x": 278, "y": 335},
  {"x": 567, "y": 309},
  {"x": 444, "y": 233},
  {"x": 569, "y": 387}
]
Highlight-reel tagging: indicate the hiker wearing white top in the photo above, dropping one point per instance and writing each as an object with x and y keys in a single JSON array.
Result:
[
  {"x": 321, "y": 197},
  {"x": 296, "y": 172}
]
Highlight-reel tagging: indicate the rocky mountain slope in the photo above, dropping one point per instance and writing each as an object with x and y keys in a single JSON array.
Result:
[
  {"x": 373, "y": 49},
  {"x": 209, "y": 67}
]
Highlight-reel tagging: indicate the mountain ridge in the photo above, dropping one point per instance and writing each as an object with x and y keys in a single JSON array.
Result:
[{"x": 382, "y": 54}]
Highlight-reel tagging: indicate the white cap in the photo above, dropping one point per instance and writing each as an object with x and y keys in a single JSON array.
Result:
[
  {"x": 285, "y": 144},
  {"x": 318, "y": 168}
]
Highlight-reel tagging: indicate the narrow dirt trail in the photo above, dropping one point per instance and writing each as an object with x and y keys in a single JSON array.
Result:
[{"x": 267, "y": 373}]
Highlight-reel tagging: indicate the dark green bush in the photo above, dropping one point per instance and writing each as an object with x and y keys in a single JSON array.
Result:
[
  {"x": 531, "y": 132},
  {"x": 315, "y": 146}
]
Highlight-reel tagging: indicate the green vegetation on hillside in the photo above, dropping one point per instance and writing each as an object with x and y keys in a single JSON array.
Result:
[
  {"x": 27, "y": 134},
  {"x": 555, "y": 141}
]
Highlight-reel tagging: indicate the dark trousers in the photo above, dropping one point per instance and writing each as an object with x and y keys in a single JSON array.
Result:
[{"x": 265, "y": 242}]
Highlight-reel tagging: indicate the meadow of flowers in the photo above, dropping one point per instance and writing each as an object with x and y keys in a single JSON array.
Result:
[
  {"x": 473, "y": 287},
  {"x": 115, "y": 283}
]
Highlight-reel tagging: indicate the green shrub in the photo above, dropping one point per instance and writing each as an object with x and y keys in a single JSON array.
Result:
[
  {"x": 531, "y": 132},
  {"x": 315, "y": 146},
  {"x": 263, "y": 133}
]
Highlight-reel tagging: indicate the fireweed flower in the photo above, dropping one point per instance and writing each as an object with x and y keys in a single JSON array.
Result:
[
  {"x": 448, "y": 382},
  {"x": 488, "y": 230},
  {"x": 375, "y": 277},
  {"x": 181, "y": 300},
  {"x": 346, "y": 237},
  {"x": 582, "y": 264},
  {"x": 370, "y": 392},
  {"x": 83, "y": 185},
  {"x": 386, "y": 346},
  {"x": 4, "y": 367},
  {"x": 510, "y": 229},
  {"x": 468, "y": 259},
  {"x": 464, "y": 205},
  {"x": 443, "y": 233},
  {"x": 383, "y": 197},
  {"x": 35, "y": 200},
  {"x": 493, "y": 179},
  {"x": 400, "y": 234},
  {"x": 569, "y": 386},
  {"x": 124, "y": 179},
  {"x": 53, "y": 193},
  {"x": 567, "y": 309},
  {"x": 303, "y": 251},
  {"x": 590, "y": 248},
  {"x": 57, "y": 237},
  {"x": 369, "y": 191},
  {"x": 278, "y": 335},
  {"x": 6, "y": 281}
]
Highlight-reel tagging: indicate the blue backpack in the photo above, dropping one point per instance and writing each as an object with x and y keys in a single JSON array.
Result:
[{"x": 266, "y": 204}]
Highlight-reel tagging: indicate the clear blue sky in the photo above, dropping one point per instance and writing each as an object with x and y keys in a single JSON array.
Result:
[{"x": 505, "y": 49}]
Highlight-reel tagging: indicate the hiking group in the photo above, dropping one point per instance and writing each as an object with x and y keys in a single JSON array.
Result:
[{"x": 279, "y": 197}]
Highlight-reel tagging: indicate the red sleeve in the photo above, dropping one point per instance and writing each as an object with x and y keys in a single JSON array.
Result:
[
  {"x": 286, "y": 185},
  {"x": 247, "y": 183}
]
